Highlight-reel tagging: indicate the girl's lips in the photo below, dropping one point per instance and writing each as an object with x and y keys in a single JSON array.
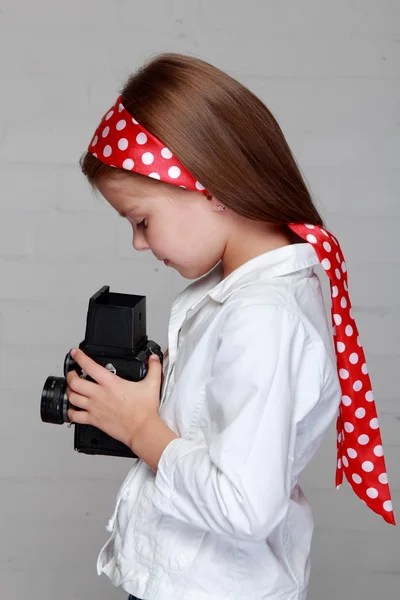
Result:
[{"x": 164, "y": 260}]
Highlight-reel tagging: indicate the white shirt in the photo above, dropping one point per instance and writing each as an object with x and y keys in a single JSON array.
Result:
[{"x": 250, "y": 387}]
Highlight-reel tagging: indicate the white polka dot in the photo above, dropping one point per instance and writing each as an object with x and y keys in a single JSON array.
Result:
[
  {"x": 324, "y": 232},
  {"x": 349, "y": 330},
  {"x": 357, "y": 385},
  {"x": 338, "y": 274},
  {"x": 334, "y": 239},
  {"x": 343, "y": 302},
  {"x": 337, "y": 319},
  {"x": 134, "y": 121},
  {"x": 326, "y": 263},
  {"x": 345, "y": 461},
  {"x": 120, "y": 107},
  {"x": 312, "y": 239},
  {"x": 344, "y": 267},
  {"x": 344, "y": 374},
  {"x": 123, "y": 144},
  {"x": 339, "y": 464},
  {"x": 340, "y": 347},
  {"x": 105, "y": 132},
  {"x": 378, "y": 450},
  {"x": 155, "y": 175},
  {"x": 356, "y": 478},
  {"x": 353, "y": 358},
  {"x": 147, "y": 158},
  {"x": 310, "y": 226},
  {"x": 372, "y": 493},
  {"x": 95, "y": 140},
  {"x": 109, "y": 115},
  {"x": 327, "y": 246},
  {"x": 335, "y": 291},
  {"x": 363, "y": 440},
  {"x": 351, "y": 452},
  {"x": 94, "y": 154},
  {"x": 364, "y": 368},
  {"x": 121, "y": 124},
  {"x": 346, "y": 400},
  {"x": 374, "y": 423},
  {"x": 367, "y": 466},
  {"x": 383, "y": 478},
  {"x": 107, "y": 151},
  {"x": 360, "y": 413},
  {"x": 345, "y": 286},
  {"x": 349, "y": 427},
  {"x": 199, "y": 186},
  {"x": 369, "y": 396},
  {"x": 388, "y": 506},
  {"x": 166, "y": 153},
  {"x": 141, "y": 138},
  {"x": 174, "y": 172},
  {"x": 128, "y": 164}
]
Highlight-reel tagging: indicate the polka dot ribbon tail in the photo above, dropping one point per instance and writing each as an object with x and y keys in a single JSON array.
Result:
[
  {"x": 359, "y": 443},
  {"x": 120, "y": 141}
]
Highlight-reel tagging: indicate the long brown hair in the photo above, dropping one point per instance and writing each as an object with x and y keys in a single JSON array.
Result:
[{"x": 222, "y": 133}]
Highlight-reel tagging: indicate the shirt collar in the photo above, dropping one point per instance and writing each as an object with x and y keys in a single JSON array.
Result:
[{"x": 275, "y": 263}]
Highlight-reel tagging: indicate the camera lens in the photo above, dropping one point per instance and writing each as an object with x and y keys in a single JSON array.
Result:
[{"x": 54, "y": 404}]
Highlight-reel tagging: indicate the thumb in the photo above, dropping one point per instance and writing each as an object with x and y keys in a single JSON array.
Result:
[{"x": 154, "y": 363}]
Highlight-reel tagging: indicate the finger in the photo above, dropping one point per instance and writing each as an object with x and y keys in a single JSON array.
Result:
[
  {"x": 78, "y": 400},
  {"x": 81, "y": 386},
  {"x": 155, "y": 368},
  {"x": 78, "y": 416},
  {"x": 92, "y": 368}
]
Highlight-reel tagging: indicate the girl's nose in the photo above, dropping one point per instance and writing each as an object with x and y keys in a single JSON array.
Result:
[{"x": 139, "y": 242}]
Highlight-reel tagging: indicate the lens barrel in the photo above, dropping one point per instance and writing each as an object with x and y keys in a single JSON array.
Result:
[{"x": 54, "y": 403}]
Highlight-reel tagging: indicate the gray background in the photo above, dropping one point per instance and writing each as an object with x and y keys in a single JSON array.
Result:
[{"x": 329, "y": 71}]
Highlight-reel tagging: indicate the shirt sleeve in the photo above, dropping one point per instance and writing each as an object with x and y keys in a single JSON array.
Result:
[{"x": 238, "y": 482}]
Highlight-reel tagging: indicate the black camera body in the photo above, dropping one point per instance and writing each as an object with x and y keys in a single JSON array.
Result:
[{"x": 115, "y": 338}]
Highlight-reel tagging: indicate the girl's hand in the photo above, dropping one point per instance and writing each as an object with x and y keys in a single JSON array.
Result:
[{"x": 116, "y": 406}]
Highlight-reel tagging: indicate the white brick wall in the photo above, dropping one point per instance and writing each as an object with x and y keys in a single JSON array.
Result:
[{"x": 329, "y": 72}]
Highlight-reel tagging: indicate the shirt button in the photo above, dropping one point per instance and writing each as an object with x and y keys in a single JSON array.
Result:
[{"x": 110, "y": 525}]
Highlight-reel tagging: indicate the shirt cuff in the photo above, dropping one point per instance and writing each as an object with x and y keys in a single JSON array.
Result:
[{"x": 164, "y": 481}]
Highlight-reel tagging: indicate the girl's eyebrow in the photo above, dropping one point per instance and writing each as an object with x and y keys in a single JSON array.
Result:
[{"x": 123, "y": 213}]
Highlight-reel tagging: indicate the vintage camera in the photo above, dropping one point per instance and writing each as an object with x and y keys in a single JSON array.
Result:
[{"x": 116, "y": 339}]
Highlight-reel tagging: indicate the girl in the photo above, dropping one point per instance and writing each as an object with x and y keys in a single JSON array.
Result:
[{"x": 213, "y": 509}]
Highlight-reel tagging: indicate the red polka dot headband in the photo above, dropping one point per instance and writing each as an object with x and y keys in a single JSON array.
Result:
[{"x": 120, "y": 141}]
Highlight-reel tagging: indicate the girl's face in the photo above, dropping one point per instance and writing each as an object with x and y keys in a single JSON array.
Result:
[{"x": 179, "y": 225}]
